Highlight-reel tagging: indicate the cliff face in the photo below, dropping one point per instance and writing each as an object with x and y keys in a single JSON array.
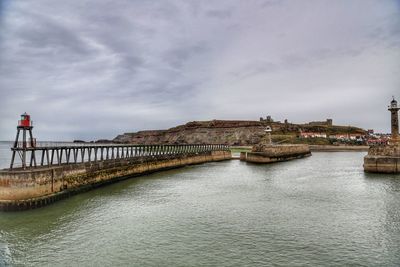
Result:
[
  {"x": 207, "y": 132},
  {"x": 222, "y": 132}
]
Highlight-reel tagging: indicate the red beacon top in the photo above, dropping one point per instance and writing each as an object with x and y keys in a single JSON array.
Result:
[{"x": 25, "y": 121}]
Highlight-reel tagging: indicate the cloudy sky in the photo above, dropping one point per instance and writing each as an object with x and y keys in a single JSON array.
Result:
[{"x": 89, "y": 69}]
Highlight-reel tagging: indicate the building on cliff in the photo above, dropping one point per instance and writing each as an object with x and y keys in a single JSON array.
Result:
[{"x": 328, "y": 122}]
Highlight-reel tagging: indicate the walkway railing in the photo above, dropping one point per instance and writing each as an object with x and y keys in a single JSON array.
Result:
[{"x": 80, "y": 153}]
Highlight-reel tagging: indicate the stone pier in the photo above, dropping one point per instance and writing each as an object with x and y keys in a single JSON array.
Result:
[
  {"x": 383, "y": 159},
  {"x": 386, "y": 159},
  {"x": 275, "y": 153},
  {"x": 35, "y": 187}
]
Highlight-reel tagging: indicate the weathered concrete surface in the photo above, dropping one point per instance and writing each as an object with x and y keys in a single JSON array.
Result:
[
  {"x": 21, "y": 190},
  {"x": 332, "y": 148},
  {"x": 383, "y": 159},
  {"x": 275, "y": 153}
]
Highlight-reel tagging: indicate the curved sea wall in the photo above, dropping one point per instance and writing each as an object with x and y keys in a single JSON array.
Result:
[
  {"x": 276, "y": 153},
  {"x": 20, "y": 190},
  {"x": 383, "y": 159}
]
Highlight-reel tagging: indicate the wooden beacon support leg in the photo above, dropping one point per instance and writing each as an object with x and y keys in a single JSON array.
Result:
[{"x": 15, "y": 146}]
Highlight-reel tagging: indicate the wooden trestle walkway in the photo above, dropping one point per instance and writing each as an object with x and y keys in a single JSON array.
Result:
[{"x": 73, "y": 153}]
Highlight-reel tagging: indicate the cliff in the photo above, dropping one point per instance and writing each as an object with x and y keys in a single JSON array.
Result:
[{"x": 230, "y": 132}]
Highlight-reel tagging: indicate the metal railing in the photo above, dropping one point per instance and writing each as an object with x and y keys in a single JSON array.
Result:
[{"x": 73, "y": 153}]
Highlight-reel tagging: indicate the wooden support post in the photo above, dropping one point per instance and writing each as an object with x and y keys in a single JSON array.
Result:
[
  {"x": 75, "y": 150},
  {"x": 58, "y": 157},
  {"x": 12, "y": 159},
  {"x": 42, "y": 158},
  {"x": 31, "y": 159},
  {"x": 24, "y": 149},
  {"x": 89, "y": 154},
  {"x": 83, "y": 149},
  {"x": 52, "y": 156},
  {"x": 33, "y": 156},
  {"x": 68, "y": 152},
  {"x": 47, "y": 156}
]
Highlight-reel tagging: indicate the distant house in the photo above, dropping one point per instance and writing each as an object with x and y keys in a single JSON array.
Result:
[
  {"x": 346, "y": 137},
  {"x": 312, "y": 135},
  {"x": 380, "y": 141}
]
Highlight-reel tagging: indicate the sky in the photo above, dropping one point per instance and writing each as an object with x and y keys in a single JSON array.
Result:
[{"x": 91, "y": 69}]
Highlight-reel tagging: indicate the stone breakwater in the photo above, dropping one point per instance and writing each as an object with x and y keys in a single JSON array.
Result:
[
  {"x": 275, "y": 153},
  {"x": 383, "y": 159},
  {"x": 21, "y": 190},
  {"x": 333, "y": 148}
]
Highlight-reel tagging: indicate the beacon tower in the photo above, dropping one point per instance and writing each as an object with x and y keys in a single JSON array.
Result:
[
  {"x": 393, "y": 108},
  {"x": 22, "y": 147}
]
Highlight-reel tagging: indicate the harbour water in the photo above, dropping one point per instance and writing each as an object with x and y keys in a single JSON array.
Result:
[
  {"x": 319, "y": 211},
  {"x": 5, "y": 154}
]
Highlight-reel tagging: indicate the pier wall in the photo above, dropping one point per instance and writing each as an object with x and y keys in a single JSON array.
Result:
[
  {"x": 32, "y": 188},
  {"x": 276, "y": 153},
  {"x": 381, "y": 164},
  {"x": 383, "y": 159}
]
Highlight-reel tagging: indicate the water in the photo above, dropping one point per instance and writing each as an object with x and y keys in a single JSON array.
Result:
[
  {"x": 5, "y": 154},
  {"x": 318, "y": 211}
]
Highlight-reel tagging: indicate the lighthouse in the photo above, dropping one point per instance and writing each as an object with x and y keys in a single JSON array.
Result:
[
  {"x": 393, "y": 108},
  {"x": 25, "y": 125}
]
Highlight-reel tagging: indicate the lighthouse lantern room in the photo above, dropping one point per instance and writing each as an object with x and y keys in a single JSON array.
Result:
[{"x": 25, "y": 121}]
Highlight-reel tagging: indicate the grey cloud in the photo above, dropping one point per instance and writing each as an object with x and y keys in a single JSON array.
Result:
[
  {"x": 220, "y": 14},
  {"x": 178, "y": 56},
  {"x": 122, "y": 66},
  {"x": 256, "y": 68},
  {"x": 271, "y": 3},
  {"x": 43, "y": 35}
]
